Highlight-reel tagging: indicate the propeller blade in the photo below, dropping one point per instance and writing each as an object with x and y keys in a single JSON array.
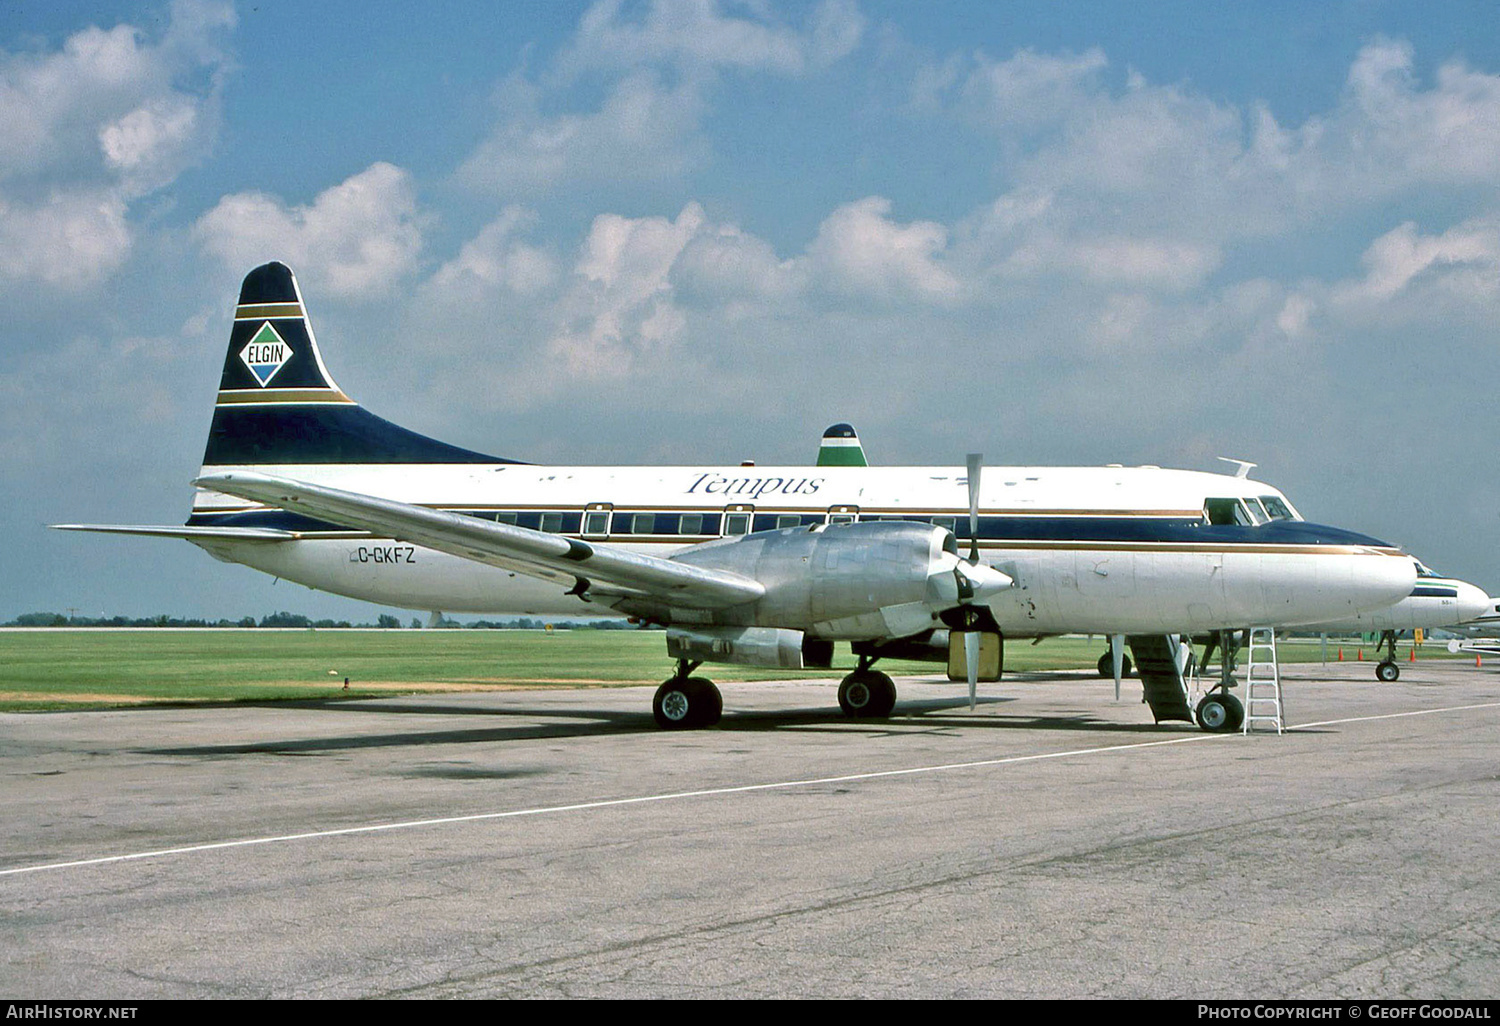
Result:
[
  {"x": 976, "y": 464},
  {"x": 1117, "y": 653},
  {"x": 971, "y": 664}
]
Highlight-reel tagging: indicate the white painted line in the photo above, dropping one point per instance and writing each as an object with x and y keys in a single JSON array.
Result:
[{"x": 705, "y": 793}]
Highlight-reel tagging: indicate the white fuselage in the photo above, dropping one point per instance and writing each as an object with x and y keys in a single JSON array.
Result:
[
  {"x": 1434, "y": 602},
  {"x": 1092, "y": 549}
]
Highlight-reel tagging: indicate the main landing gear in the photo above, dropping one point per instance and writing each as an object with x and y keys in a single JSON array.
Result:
[
  {"x": 867, "y": 693},
  {"x": 1220, "y": 712},
  {"x": 684, "y": 703},
  {"x": 1387, "y": 669},
  {"x": 1107, "y": 665}
]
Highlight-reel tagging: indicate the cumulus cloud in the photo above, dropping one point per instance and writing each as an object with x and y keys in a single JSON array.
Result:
[
  {"x": 1466, "y": 259},
  {"x": 701, "y": 33},
  {"x": 90, "y": 128},
  {"x": 620, "y": 303},
  {"x": 659, "y": 65},
  {"x": 860, "y": 249},
  {"x": 355, "y": 239},
  {"x": 66, "y": 240},
  {"x": 644, "y": 131},
  {"x": 496, "y": 259}
]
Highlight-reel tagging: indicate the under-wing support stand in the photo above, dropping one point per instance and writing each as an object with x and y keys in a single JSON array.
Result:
[{"x": 684, "y": 702}]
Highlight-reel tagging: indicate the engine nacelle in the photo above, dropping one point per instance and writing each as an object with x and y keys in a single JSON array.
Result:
[
  {"x": 844, "y": 581},
  {"x": 746, "y": 646}
]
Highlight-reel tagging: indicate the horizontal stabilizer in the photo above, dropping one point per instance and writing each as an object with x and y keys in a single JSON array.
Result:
[
  {"x": 268, "y": 534},
  {"x": 550, "y": 557}
]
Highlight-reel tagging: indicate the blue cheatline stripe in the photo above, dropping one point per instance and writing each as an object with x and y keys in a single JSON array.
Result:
[
  {"x": 994, "y": 530},
  {"x": 266, "y": 436}
]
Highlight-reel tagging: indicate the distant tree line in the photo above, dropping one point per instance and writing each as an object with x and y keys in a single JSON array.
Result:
[{"x": 283, "y": 619}]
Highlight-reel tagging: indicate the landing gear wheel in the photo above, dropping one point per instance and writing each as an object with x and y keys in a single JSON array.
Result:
[
  {"x": 1107, "y": 666},
  {"x": 686, "y": 703},
  {"x": 1220, "y": 713},
  {"x": 1387, "y": 671},
  {"x": 867, "y": 694}
]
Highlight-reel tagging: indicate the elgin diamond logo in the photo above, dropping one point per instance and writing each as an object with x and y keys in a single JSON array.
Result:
[{"x": 265, "y": 354}]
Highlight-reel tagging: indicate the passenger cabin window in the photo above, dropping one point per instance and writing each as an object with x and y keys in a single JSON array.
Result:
[
  {"x": 596, "y": 522},
  {"x": 552, "y": 523},
  {"x": 691, "y": 523},
  {"x": 841, "y": 518},
  {"x": 736, "y": 523},
  {"x": 788, "y": 520},
  {"x": 643, "y": 523},
  {"x": 504, "y": 518}
]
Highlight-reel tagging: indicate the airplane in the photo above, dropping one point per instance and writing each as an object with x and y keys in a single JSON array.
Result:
[
  {"x": 749, "y": 565},
  {"x": 1435, "y": 602}
]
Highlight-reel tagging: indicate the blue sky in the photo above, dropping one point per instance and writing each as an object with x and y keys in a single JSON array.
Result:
[{"x": 698, "y": 232}]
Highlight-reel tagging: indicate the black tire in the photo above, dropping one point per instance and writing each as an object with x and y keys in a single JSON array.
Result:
[
  {"x": 1220, "y": 713},
  {"x": 867, "y": 695},
  {"x": 1107, "y": 666},
  {"x": 1388, "y": 672},
  {"x": 687, "y": 703}
]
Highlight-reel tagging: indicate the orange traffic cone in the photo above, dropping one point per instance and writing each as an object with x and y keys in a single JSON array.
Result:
[
  {"x": 1413, "y": 657},
  {"x": 1341, "y": 653},
  {"x": 1359, "y": 655}
]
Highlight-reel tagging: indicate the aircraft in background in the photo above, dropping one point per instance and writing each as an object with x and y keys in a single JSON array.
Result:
[
  {"x": 1435, "y": 602},
  {"x": 766, "y": 566}
]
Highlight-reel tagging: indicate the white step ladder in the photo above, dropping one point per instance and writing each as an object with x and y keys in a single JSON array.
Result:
[{"x": 1263, "y": 682}]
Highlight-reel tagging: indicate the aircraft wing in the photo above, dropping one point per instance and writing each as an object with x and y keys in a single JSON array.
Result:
[
  {"x": 581, "y": 566},
  {"x": 270, "y": 534}
]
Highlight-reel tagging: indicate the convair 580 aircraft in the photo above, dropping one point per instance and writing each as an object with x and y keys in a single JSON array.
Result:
[{"x": 752, "y": 565}]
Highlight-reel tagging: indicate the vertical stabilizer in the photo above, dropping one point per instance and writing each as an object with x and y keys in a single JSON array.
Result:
[
  {"x": 278, "y": 404},
  {"x": 841, "y": 448}
]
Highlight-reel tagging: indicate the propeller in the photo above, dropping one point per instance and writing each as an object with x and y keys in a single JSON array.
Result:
[
  {"x": 1117, "y": 653},
  {"x": 973, "y": 585},
  {"x": 976, "y": 464},
  {"x": 966, "y": 587}
]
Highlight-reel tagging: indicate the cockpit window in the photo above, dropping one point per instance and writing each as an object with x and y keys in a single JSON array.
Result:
[
  {"x": 1257, "y": 512},
  {"x": 1423, "y": 570},
  {"x": 1276, "y": 508},
  {"x": 1227, "y": 512}
]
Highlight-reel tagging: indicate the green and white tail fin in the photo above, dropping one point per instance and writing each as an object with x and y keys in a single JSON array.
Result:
[{"x": 841, "y": 448}]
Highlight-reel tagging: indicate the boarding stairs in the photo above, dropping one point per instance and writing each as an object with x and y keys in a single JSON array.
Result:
[
  {"x": 1158, "y": 662},
  {"x": 1263, "y": 703}
]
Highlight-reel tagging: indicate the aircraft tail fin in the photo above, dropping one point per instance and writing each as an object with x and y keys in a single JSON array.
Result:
[
  {"x": 278, "y": 404},
  {"x": 841, "y": 448}
]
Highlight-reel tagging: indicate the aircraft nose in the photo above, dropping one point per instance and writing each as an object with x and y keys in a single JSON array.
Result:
[
  {"x": 1380, "y": 580},
  {"x": 1472, "y": 602}
]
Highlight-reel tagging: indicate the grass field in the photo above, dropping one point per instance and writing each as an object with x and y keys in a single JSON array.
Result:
[{"x": 73, "y": 669}]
